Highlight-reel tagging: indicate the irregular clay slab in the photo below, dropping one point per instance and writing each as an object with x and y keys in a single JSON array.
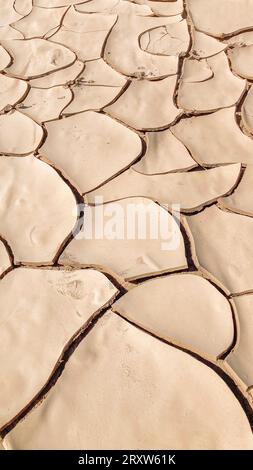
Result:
[
  {"x": 171, "y": 39},
  {"x": 7, "y": 32},
  {"x": 37, "y": 205},
  {"x": 56, "y": 3},
  {"x": 81, "y": 144},
  {"x": 40, "y": 21},
  {"x": 224, "y": 248},
  {"x": 150, "y": 412},
  {"x": 44, "y": 104},
  {"x": 5, "y": 58},
  {"x": 192, "y": 313},
  {"x": 122, "y": 7},
  {"x": 84, "y": 34},
  {"x": 23, "y": 7},
  {"x": 33, "y": 57},
  {"x": 8, "y": 13},
  {"x": 215, "y": 138},
  {"x": 195, "y": 71},
  {"x": 191, "y": 190},
  {"x": 220, "y": 17},
  {"x": 247, "y": 111},
  {"x": 205, "y": 46},
  {"x": 240, "y": 359},
  {"x": 61, "y": 77},
  {"x": 97, "y": 72},
  {"x": 146, "y": 104},
  {"x": 125, "y": 36},
  {"x": 240, "y": 40},
  {"x": 11, "y": 90},
  {"x": 221, "y": 90},
  {"x": 97, "y": 86},
  {"x": 163, "y": 8},
  {"x": 241, "y": 59},
  {"x": 91, "y": 98},
  {"x": 241, "y": 200},
  {"x": 5, "y": 261},
  {"x": 37, "y": 323},
  {"x": 164, "y": 153},
  {"x": 26, "y": 137},
  {"x": 128, "y": 250}
]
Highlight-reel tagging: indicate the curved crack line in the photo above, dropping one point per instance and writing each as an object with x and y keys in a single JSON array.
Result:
[
  {"x": 9, "y": 107},
  {"x": 18, "y": 107},
  {"x": 238, "y": 111},
  {"x": 183, "y": 56},
  {"x": 184, "y": 116},
  {"x": 127, "y": 76},
  {"x": 32, "y": 151},
  {"x": 55, "y": 375},
  {"x": 34, "y": 77},
  {"x": 10, "y": 256},
  {"x": 234, "y": 316},
  {"x": 216, "y": 367},
  {"x": 66, "y": 84},
  {"x": 23, "y": 16},
  {"x": 45, "y": 35},
  {"x": 123, "y": 170},
  {"x": 189, "y": 211},
  {"x": 11, "y": 60},
  {"x": 98, "y": 110}
]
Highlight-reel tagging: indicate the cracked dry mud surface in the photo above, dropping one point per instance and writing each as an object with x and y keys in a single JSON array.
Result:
[{"x": 116, "y": 343}]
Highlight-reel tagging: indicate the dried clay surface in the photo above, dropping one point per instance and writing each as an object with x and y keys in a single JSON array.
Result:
[
  {"x": 155, "y": 412},
  {"x": 49, "y": 300},
  {"x": 126, "y": 224},
  {"x": 126, "y": 256}
]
